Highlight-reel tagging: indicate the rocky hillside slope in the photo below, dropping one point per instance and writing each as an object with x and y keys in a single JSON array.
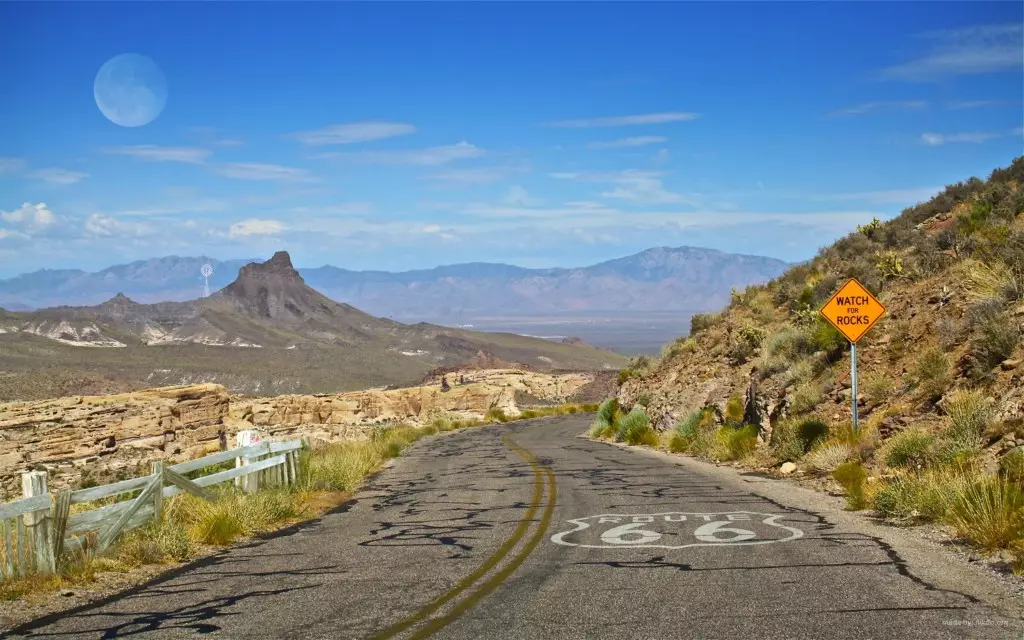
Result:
[
  {"x": 943, "y": 367},
  {"x": 98, "y": 438},
  {"x": 659, "y": 279}
]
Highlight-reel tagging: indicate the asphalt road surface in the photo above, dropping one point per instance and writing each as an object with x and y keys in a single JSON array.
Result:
[{"x": 528, "y": 531}]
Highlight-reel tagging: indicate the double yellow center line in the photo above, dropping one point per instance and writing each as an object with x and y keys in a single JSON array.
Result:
[{"x": 540, "y": 473}]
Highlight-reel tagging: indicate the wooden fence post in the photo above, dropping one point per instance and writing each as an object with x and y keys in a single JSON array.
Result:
[
  {"x": 158, "y": 497},
  {"x": 248, "y": 483},
  {"x": 37, "y": 523},
  {"x": 61, "y": 511}
]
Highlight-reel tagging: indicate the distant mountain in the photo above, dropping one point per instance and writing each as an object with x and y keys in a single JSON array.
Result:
[
  {"x": 660, "y": 279},
  {"x": 269, "y": 305}
]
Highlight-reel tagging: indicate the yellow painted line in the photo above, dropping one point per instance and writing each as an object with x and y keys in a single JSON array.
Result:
[
  {"x": 490, "y": 563},
  {"x": 495, "y": 581}
]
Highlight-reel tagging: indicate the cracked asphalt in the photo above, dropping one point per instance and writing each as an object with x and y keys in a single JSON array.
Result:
[{"x": 527, "y": 531}]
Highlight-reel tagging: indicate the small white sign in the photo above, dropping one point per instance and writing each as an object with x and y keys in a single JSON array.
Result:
[{"x": 676, "y": 530}]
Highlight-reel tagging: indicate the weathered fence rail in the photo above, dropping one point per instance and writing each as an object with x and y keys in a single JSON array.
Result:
[{"x": 39, "y": 529}]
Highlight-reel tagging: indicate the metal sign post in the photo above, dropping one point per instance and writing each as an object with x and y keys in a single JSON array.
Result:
[
  {"x": 853, "y": 382},
  {"x": 852, "y": 311}
]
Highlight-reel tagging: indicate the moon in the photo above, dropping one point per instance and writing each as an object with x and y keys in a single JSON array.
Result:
[{"x": 130, "y": 90}]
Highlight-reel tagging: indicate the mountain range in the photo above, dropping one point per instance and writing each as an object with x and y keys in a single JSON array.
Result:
[
  {"x": 268, "y": 330},
  {"x": 661, "y": 279}
]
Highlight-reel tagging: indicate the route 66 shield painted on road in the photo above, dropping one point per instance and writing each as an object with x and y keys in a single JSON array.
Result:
[{"x": 676, "y": 530}]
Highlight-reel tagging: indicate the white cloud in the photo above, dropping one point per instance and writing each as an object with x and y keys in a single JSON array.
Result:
[
  {"x": 354, "y": 132},
  {"x": 620, "y": 121},
  {"x": 11, "y": 165},
  {"x": 483, "y": 175},
  {"x": 661, "y": 157},
  {"x": 154, "y": 153},
  {"x": 430, "y": 156},
  {"x": 432, "y": 228},
  {"x": 199, "y": 206},
  {"x": 255, "y": 227},
  {"x": 31, "y": 216},
  {"x": 632, "y": 185},
  {"x": 888, "y": 105},
  {"x": 56, "y": 175},
  {"x": 517, "y": 195},
  {"x": 972, "y": 50},
  {"x": 103, "y": 226},
  {"x": 637, "y": 141},
  {"x": 264, "y": 172},
  {"x": 960, "y": 105},
  {"x": 937, "y": 139}
]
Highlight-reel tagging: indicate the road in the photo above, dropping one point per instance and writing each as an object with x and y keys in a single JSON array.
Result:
[{"x": 526, "y": 531}]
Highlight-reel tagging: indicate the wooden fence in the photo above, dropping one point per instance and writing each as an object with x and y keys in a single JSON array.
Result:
[{"x": 39, "y": 529}]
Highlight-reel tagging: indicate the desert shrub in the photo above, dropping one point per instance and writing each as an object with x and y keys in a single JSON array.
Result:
[
  {"x": 496, "y": 414},
  {"x": 890, "y": 265},
  {"x": 644, "y": 399},
  {"x": 735, "y": 443},
  {"x": 995, "y": 281},
  {"x": 993, "y": 341},
  {"x": 827, "y": 338},
  {"x": 932, "y": 373},
  {"x": 607, "y": 413},
  {"x": 914, "y": 497},
  {"x": 154, "y": 543},
  {"x": 341, "y": 466},
  {"x": 969, "y": 415},
  {"x": 988, "y": 512},
  {"x": 807, "y": 396},
  {"x": 735, "y": 409},
  {"x": 909, "y": 449},
  {"x": 702, "y": 321},
  {"x": 878, "y": 388},
  {"x": 785, "y": 444},
  {"x": 232, "y": 514},
  {"x": 829, "y": 455},
  {"x": 851, "y": 476},
  {"x": 696, "y": 432},
  {"x": 811, "y": 431},
  {"x": 635, "y": 428},
  {"x": 680, "y": 346},
  {"x": 626, "y": 374}
]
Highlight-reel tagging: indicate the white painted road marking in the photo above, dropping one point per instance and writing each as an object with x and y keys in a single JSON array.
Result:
[{"x": 676, "y": 530}]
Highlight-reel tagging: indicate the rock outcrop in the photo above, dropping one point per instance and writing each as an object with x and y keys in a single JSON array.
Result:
[{"x": 117, "y": 436}]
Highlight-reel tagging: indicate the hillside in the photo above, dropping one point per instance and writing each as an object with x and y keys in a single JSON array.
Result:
[
  {"x": 266, "y": 332},
  {"x": 941, "y": 375},
  {"x": 660, "y": 279}
]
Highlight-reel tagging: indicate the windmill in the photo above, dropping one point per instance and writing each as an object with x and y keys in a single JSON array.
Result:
[{"x": 206, "y": 270}]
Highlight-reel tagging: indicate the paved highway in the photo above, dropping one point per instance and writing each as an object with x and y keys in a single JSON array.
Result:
[{"x": 528, "y": 531}]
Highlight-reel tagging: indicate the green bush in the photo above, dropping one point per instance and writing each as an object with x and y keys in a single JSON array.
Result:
[
  {"x": 969, "y": 415},
  {"x": 606, "y": 415},
  {"x": 993, "y": 341},
  {"x": 734, "y": 443},
  {"x": 878, "y": 388},
  {"x": 910, "y": 449},
  {"x": 807, "y": 396},
  {"x": 829, "y": 455},
  {"x": 915, "y": 497},
  {"x": 495, "y": 414},
  {"x": 735, "y": 409},
  {"x": 635, "y": 428},
  {"x": 989, "y": 512},
  {"x": 811, "y": 431},
  {"x": 932, "y": 372},
  {"x": 852, "y": 477},
  {"x": 828, "y": 339},
  {"x": 702, "y": 321},
  {"x": 644, "y": 399}
]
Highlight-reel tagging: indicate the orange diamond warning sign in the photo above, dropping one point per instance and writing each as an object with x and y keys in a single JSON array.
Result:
[{"x": 853, "y": 310}]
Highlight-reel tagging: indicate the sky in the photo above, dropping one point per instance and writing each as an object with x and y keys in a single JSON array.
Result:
[{"x": 398, "y": 136}]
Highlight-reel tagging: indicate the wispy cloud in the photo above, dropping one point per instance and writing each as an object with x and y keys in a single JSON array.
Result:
[
  {"x": 11, "y": 165},
  {"x": 153, "y": 153},
  {"x": 105, "y": 226},
  {"x": 938, "y": 139},
  {"x": 631, "y": 185},
  {"x": 56, "y": 175},
  {"x": 481, "y": 175},
  {"x": 199, "y": 206},
  {"x": 972, "y": 50},
  {"x": 974, "y": 104},
  {"x": 621, "y": 121},
  {"x": 354, "y": 132},
  {"x": 255, "y": 227},
  {"x": 430, "y": 156},
  {"x": 340, "y": 209},
  {"x": 637, "y": 141},
  {"x": 264, "y": 172},
  {"x": 883, "y": 105}
]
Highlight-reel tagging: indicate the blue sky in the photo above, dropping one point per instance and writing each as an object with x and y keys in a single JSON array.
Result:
[{"x": 396, "y": 136}]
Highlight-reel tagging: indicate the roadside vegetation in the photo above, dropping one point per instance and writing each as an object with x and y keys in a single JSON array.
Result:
[
  {"x": 941, "y": 435},
  {"x": 191, "y": 527}
]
